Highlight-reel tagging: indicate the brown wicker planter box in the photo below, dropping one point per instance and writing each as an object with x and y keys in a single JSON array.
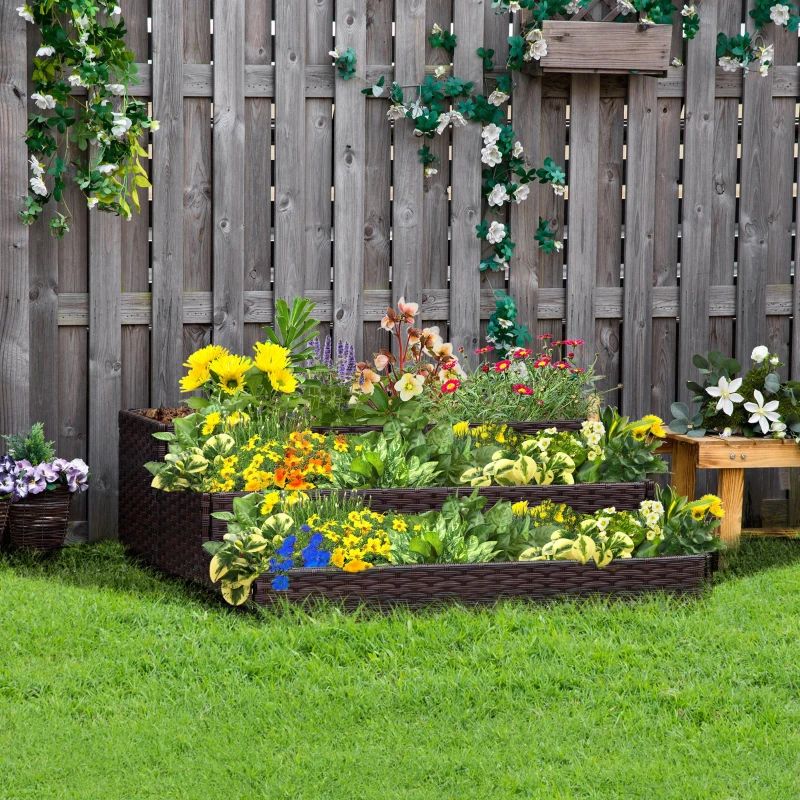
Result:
[
  {"x": 485, "y": 583},
  {"x": 39, "y": 522},
  {"x": 4, "y": 504},
  {"x": 183, "y": 521},
  {"x": 137, "y": 512}
]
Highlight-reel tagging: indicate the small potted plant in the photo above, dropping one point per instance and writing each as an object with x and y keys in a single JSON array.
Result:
[{"x": 41, "y": 489}]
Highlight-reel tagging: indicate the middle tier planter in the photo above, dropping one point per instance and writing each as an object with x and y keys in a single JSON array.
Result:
[
  {"x": 138, "y": 519},
  {"x": 183, "y": 521}
]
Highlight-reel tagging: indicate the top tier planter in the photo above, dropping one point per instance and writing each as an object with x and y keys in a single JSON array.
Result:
[{"x": 605, "y": 48}]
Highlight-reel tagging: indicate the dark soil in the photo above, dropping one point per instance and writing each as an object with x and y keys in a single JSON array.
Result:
[{"x": 165, "y": 414}]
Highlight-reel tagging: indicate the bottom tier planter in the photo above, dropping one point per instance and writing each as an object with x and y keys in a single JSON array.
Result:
[
  {"x": 4, "y": 504},
  {"x": 39, "y": 522},
  {"x": 183, "y": 521},
  {"x": 485, "y": 583}
]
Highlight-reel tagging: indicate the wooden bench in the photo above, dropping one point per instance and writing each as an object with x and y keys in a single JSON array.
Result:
[{"x": 731, "y": 457}]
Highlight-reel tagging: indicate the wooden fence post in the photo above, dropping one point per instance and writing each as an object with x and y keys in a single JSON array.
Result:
[
  {"x": 14, "y": 311},
  {"x": 349, "y": 174}
]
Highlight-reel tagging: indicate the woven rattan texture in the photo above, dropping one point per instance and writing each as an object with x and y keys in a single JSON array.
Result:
[{"x": 39, "y": 522}]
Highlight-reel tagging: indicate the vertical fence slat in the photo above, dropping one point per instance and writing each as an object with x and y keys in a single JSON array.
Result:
[
  {"x": 640, "y": 222},
  {"x": 349, "y": 173},
  {"x": 14, "y": 309},
  {"x": 436, "y": 201},
  {"x": 229, "y": 168},
  {"x": 167, "y": 166},
  {"x": 524, "y": 276},
  {"x": 377, "y": 246},
  {"x": 665, "y": 250},
  {"x": 258, "y": 161},
  {"x": 608, "y": 249},
  {"x": 136, "y": 244},
  {"x": 198, "y": 225},
  {"x": 582, "y": 222},
  {"x": 466, "y": 190},
  {"x": 105, "y": 370},
  {"x": 407, "y": 217},
  {"x": 319, "y": 152},
  {"x": 751, "y": 295},
  {"x": 290, "y": 147},
  {"x": 698, "y": 162}
]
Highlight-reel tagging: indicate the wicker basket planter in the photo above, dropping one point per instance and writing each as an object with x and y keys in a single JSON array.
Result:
[
  {"x": 183, "y": 520},
  {"x": 138, "y": 521},
  {"x": 4, "y": 504},
  {"x": 485, "y": 583},
  {"x": 39, "y": 522}
]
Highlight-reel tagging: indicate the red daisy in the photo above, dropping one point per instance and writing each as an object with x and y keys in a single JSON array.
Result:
[
  {"x": 544, "y": 336},
  {"x": 521, "y": 388},
  {"x": 449, "y": 386},
  {"x": 541, "y": 362},
  {"x": 502, "y": 366},
  {"x": 484, "y": 367},
  {"x": 481, "y": 350},
  {"x": 523, "y": 352}
]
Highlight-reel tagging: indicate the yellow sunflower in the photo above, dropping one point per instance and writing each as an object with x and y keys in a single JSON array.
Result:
[
  {"x": 271, "y": 357},
  {"x": 194, "y": 379},
  {"x": 283, "y": 380},
  {"x": 230, "y": 371},
  {"x": 204, "y": 356}
]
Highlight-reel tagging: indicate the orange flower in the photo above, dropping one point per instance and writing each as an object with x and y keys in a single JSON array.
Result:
[
  {"x": 356, "y": 565},
  {"x": 280, "y": 476},
  {"x": 297, "y": 482}
]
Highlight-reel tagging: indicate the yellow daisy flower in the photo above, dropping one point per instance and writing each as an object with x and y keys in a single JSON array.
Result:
[
  {"x": 194, "y": 379},
  {"x": 212, "y": 420},
  {"x": 283, "y": 380},
  {"x": 271, "y": 357},
  {"x": 230, "y": 371},
  {"x": 202, "y": 358}
]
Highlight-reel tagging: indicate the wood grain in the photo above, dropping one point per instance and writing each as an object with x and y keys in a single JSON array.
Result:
[{"x": 349, "y": 174}]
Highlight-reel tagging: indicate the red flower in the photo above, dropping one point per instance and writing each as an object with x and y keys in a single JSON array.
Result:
[
  {"x": 484, "y": 367},
  {"x": 502, "y": 366},
  {"x": 544, "y": 336},
  {"x": 521, "y": 388},
  {"x": 522, "y": 352},
  {"x": 571, "y": 342},
  {"x": 570, "y": 354},
  {"x": 561, "y": 365},
  {"x": 481, "y": 350},
  {"x": 449, "y": 386},
  {"x": 543, "y": 361},
  {"x": 450, "y": 365}
]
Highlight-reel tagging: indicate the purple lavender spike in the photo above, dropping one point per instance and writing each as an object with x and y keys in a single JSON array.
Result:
[{"x": 326, "y": 352}]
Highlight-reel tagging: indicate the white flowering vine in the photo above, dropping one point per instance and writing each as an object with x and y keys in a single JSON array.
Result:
[{"x": 81, "y": 74}]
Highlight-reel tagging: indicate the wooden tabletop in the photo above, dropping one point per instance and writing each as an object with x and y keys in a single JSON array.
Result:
[{"x": 739, "y": 452}]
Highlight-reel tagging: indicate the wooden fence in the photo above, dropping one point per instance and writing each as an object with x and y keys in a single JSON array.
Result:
[{"x": 272, "y": 177}]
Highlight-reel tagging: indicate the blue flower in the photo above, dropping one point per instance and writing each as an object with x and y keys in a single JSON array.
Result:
[
  {"x": 280, "y": 583},
  {"x": 315, "y": 541},
  {"x": 287, "y": 548},
  {"x": 314, "y": 557},
  {"x": 305, "y": 528}
]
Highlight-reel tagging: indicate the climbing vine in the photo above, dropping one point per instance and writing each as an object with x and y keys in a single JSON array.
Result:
[{"x": 83, "y": 50}]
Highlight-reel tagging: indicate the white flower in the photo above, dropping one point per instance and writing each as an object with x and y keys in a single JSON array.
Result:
[
  {"x": 779, "y": 14},
  {"x": 491, "y": 133},
  {"x": 498, "y": 195},
  {"x": 457, "y": 119},
  {"x": 759, "y": 354},
  {"x": 689, "y": 11},
  {"x": 429, "y": 172},
  {"x": 514, "y": 6},
  {"x": 334, "y": 54},
  {"x": 43, "y": 100},
  {"x": 762, "y": 413},
  {"x": 444, "y": 121},
  {"x": 726, "y": 391},
  {"x": 536, "y": 49},
  {"x": 115, "y": 12},
  {"x": 121, "y": 125},
  {"x": 417, "y": 109},
  {"x": 766, "y": 55},
  {"x": 37, "y": 168},
  {"x": 645, "y": 21},
  {"x": 559, "y": 190},
  {"x": 497, "y": 98},
  {"x": 106, "y": 169},
  {"x": 729, "y": 64},
  {"x": 409, "y": 386},
  {"x": 75, "y": 79},
  {"x": 625, "y": 7},
  {"x": 574, "y": 6},
  {"x": 436, "y": 29},
  {"x": 396, "y": 111},
  {"x": 517, "y": 150},
  {"x": 37, "y": 185},
  {"x": 26, "y": 13},
  {"x": 778, "y": 428},
  {"x": 491, "y": 155},
  {"x": 92, "y": 202},
  {"x": 763, "y": 70},
  {"x": 501, "y": 263},
  {"x": 82, "y": 21},
  {"x": 45, "y": 51},
  {"x": 116, "y": 88},
  {"x": 441, "y": 71},
  {"x": 497, "y": 232},
  {"x": 676, "y": 62},
  {"x": 154, "y": 124},
  {"x": 726, "y": 433},
  {"x": 559, "y": 246},
  {"x": 521, "y": 192},
  {"x": 774, "y": 360}
]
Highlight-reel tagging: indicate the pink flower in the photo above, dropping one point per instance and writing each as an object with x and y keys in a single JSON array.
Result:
[{"x": 408, "y": 310}]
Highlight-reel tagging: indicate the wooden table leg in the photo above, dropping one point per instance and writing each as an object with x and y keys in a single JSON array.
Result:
[
  {"x": 684, "y": 465},
  {"x": 730, "y": 488}
]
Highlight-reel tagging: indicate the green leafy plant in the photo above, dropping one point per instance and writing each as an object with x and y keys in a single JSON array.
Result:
[
  {"x": 442, "y": 38},
  {"x": 82, "y": 46},
  {"x": 294, "y": 327},
  {"x": 345, "y": 63},
  {"x": 31, "y": 446}
]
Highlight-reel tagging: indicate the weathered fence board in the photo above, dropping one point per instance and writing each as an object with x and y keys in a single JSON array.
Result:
[{"x": 346, "y": 217}]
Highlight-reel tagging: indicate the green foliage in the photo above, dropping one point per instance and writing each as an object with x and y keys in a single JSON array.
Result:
[
  {"x": 443, "y": 39},
  {"x": 546, "y": 237},
  {"x": 31, "y": 446},
  {"x": 486, "y": 54},
  {"x": 345, "y": 63},
  {"x": 503, "y": 329},
  {"x": 426, "y": 157},
  {"x": 294, "y": 327},
  {"x": 82, "y": 44}
]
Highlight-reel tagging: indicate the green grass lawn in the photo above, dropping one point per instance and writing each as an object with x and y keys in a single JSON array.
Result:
[{"x": 115, "y": 683}]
